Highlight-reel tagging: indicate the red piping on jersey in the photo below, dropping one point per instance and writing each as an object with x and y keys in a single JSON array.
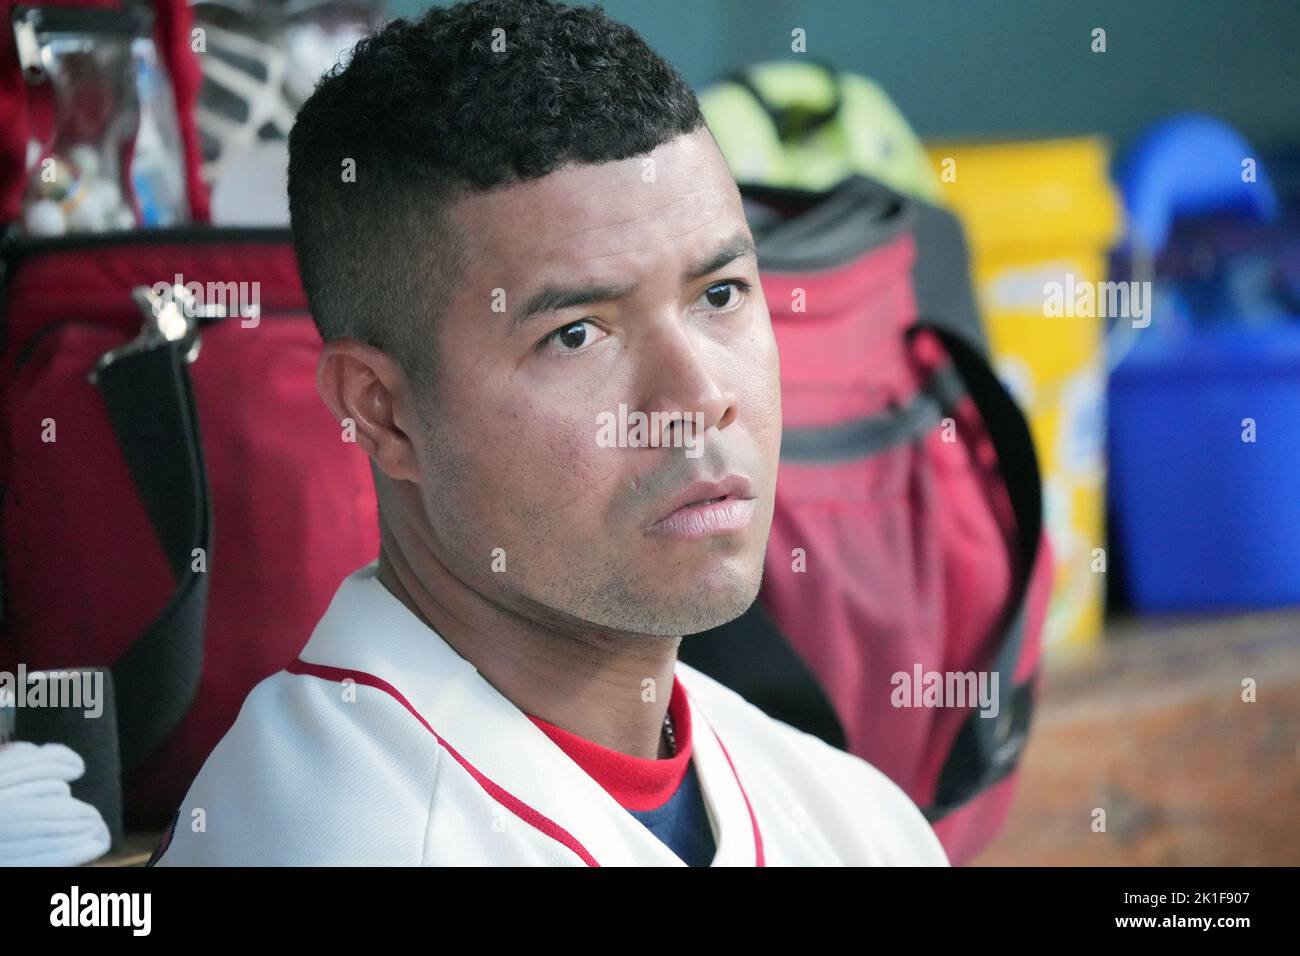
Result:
[
  {"x": 508, "y": 800},
  {"x": 758, "y": 837}
]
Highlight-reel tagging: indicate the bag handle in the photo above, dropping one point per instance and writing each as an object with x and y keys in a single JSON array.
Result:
[
  {"x": 987, "y": 750},
  {"x": 150, "y": 398}
]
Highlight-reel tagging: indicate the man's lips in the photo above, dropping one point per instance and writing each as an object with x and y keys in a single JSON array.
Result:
[{"x": 706, "y": 508}]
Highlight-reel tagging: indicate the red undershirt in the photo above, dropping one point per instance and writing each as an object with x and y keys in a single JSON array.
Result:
[{"x": 637, "y": 783}]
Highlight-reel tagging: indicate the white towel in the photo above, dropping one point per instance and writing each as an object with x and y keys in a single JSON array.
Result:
[
  {"x": 21, "y": 761},
  {"x": 41, "y": 822}
]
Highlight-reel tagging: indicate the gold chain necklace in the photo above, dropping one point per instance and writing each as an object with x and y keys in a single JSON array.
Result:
[{"x": 668, "y": 733}]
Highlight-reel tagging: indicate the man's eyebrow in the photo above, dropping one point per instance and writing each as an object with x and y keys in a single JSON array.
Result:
[
  {"x": 737, "y": 247},
  {"x": 553, "y": 298}
]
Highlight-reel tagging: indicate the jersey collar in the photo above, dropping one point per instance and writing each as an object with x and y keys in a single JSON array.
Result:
[{"x": 366, "y": 629}]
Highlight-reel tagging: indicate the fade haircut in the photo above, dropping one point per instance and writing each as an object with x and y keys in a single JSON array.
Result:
[{"x": 469, "y": 97}]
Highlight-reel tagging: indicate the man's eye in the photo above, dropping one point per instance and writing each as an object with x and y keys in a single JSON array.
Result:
[
  {"x": 726, "y": 296},
  {"x": 573, "y": 337}
]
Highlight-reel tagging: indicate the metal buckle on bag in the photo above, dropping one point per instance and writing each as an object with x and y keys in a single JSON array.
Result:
[{"x": 169, "y": 316}]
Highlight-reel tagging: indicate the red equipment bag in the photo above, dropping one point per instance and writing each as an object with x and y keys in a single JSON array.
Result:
[
  {"x": 100, "y": 526},
  {"x": 907, "y": 536}
]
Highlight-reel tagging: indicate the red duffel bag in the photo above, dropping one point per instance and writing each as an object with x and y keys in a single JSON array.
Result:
[{"x": 192, "y": 560}]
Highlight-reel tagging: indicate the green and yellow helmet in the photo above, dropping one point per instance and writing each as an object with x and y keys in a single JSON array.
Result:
[{"x": 806, "y": 125}]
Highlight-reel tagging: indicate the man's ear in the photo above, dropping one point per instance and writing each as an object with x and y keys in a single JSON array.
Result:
[{"x": 370, "y": 397}]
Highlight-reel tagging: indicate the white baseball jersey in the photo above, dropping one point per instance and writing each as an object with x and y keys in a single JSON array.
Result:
[{"x": 380, "y": 745}]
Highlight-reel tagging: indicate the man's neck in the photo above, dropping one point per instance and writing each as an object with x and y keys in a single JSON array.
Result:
[{"x": 590, "y": 684}]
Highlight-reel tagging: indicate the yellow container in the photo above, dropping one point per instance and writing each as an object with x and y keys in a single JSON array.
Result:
[{"x": 1039, "y": 218}]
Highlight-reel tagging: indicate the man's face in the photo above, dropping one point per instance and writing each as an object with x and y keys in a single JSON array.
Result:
[{"x": 532, "y": 445}]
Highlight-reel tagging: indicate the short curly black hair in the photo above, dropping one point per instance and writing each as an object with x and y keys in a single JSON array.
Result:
[{"x": 469, "y": 97}]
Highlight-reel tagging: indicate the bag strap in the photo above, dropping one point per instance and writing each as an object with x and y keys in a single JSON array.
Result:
[
  {"x": 870, "y": 435},
  {"x": 986, "y": 750},
  {"x": 151, "y": 404}
]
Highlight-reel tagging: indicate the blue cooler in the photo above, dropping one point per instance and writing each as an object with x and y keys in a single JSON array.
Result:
[{"x": 1204, "y": 516}]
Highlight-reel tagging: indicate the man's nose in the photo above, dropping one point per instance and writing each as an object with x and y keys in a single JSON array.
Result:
[{"x": 688, "y": 377}]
